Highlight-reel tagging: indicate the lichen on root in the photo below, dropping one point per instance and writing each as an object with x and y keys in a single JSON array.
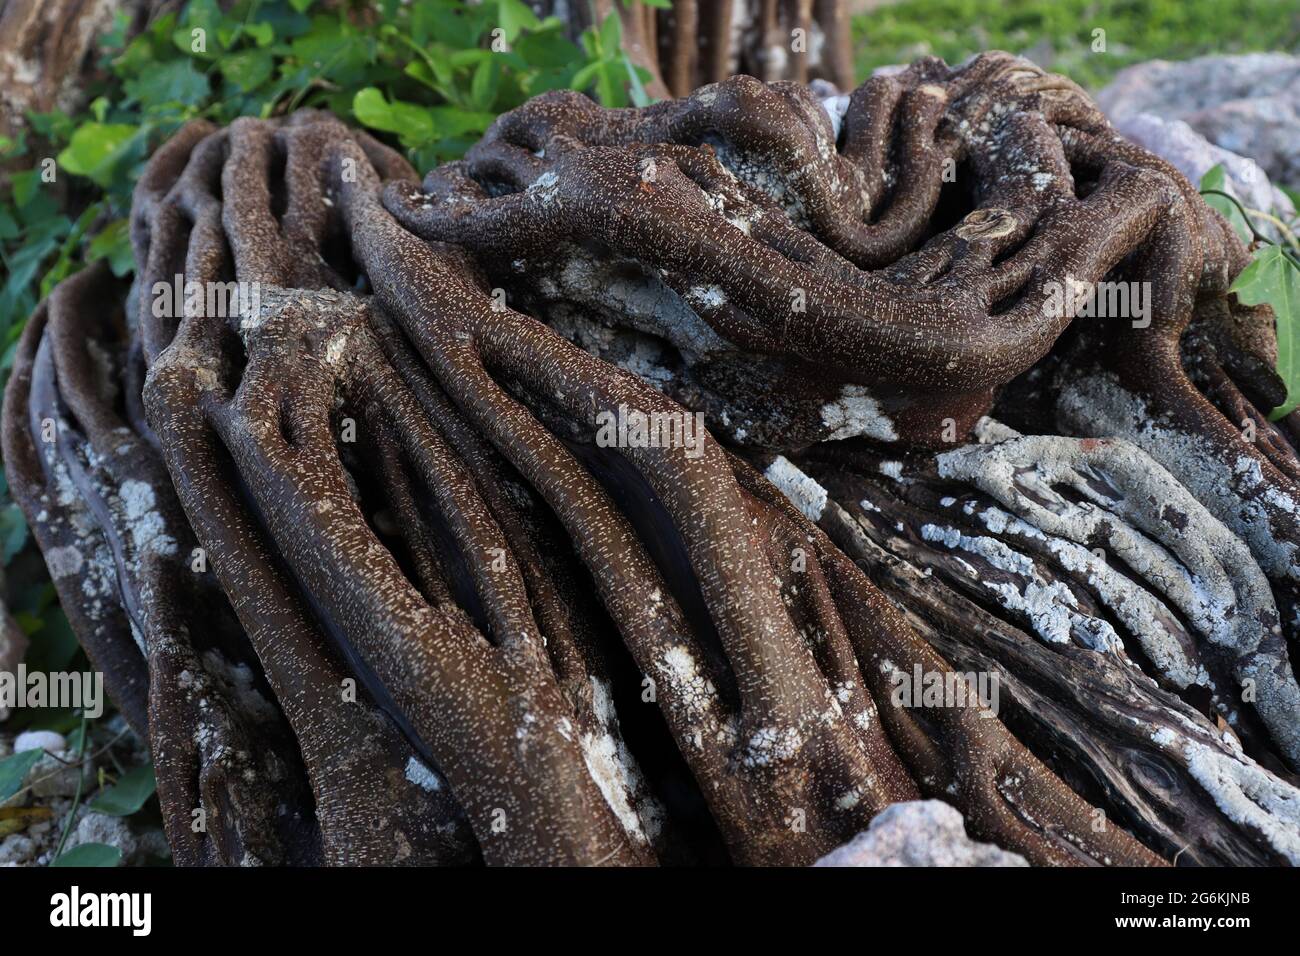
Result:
[{"x": 360, "y": 547}]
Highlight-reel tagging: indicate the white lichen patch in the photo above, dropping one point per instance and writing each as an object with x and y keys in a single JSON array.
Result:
[
  {"x": 615, "y": 772},
  {"x": 802, "y": 491},
  {"x": 148, "y": 529},
  {"x": 64, "y": 562},
  {"x": 856, "y": 413},
  {"x": 1245, "y": 792},
  {"x": 422, "y": 775},
  {"x": 769, "y": 745}
]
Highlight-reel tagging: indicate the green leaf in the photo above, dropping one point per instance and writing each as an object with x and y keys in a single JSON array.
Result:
[
  {"x": 483, "y": 88},
  {"x": 413, "y": 124},
  {"x": 583, "y": 78},
  {"x": 1273, "y": 279},
  {"x": 114, "y": 244},
  {"x": 262, "y": 33},
  {"x": 249, "y": 69},
  {"x": 513, "y": 16},
  {"x": 609, "y": 84},
  {"x": 547, "y": 49},
  {"x": 24, "y": 186},
  {"x": 90, "y": 854},
  {"x": 1217, "y": 178},
  {"x": 611, "y": 34},
  {"x": 175, "y": 82},
  {"x": 13, "y": 770},
  {"x": 640, "y": 98},
  {"x": 128, "y": 795},
  {"x": 95, "y": 149}
]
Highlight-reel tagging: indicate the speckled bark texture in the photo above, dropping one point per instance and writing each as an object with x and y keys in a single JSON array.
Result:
[{"x": 365, "y": 557}]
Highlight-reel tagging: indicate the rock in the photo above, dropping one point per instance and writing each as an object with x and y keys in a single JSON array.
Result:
[
  {"x": 39, "y": 740},
  {"x": 1194, "y": 156},
  {"x": 16, "y": 850},
  {"x": 137, "y": 846},
  {"x": 918, "y": 833},
  {"x": 1249, "y": 104},
  {"x": 56, "y": 775}
]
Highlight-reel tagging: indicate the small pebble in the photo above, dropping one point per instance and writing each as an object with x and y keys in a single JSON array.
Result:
[{"x": 39, "y": 740}]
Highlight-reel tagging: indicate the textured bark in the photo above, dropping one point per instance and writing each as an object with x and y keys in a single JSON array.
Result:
[
  {"x": 572, "y": 651},
  {"x": 694, "y": 42},
  {"x": 49, "y": 52}
]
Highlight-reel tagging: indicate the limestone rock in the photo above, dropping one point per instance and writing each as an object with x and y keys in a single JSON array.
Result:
[
  {"x": 1249, "y": 104},
  {"x": 918, "y": 833}
]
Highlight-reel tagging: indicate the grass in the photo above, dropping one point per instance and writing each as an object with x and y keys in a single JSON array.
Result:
[{"x": 1059, "y": 34}]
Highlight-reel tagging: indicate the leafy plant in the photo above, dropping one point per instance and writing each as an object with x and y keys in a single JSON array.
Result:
[
  {"x": 431, "y": 75},
  {"x": 90, "y": 854},
  {"x": 1271, "y": 278},
  {"x": 128, "y": 795},
  {"x": 14, "y": 768}
]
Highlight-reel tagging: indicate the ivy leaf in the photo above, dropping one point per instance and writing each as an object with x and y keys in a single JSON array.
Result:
[
  {"x": 514, "y": 16},
  {"x": 486, "y": 82},
  {"x": 263, "y": 34},
  {"x": 1274, "y": 279},
  {"x": 95, "y": 150},
  {"x": 128, "y": 795},
  {"x": 1217, "y": 178},
  {"x": 114, "y": 244},
  {"x": 90, "y": 854},
  {"x": 413, "y": 124},
  {"x": 175, "y": 82},
  {"x": 548, "y": 49},
  {"x": 249, "y": 69},
  {"x": 13, "y": 770}
]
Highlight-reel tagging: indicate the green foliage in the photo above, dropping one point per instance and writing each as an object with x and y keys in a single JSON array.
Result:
[
  {"x": 90, "y": 854},
  {"x": 128, "y": 795},
  {"x": 1271, "y": 278},
  {"x": 1213, "y": 187},
  {"x": 13, "y": 770},
  {"x": 1060, "y": 32},
  {"x": 431, "y": 75},
  {"x": 428, "y": 75},
  {"x": 1274, "y": 278}
]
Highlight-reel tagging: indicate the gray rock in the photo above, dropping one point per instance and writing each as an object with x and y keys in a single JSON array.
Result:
[
  {"x": 16, "y": 850},
  {"x": 1193, "y": 155},
  {"x": 136, "y": 844},
  {"x": 56, "y": 775},
  {"x": 1249, "y": 104},
  {"x": 918, "y": 833}
]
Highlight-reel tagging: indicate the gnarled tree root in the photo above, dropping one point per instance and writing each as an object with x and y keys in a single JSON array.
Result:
[{"x": 398, "y": 574}]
